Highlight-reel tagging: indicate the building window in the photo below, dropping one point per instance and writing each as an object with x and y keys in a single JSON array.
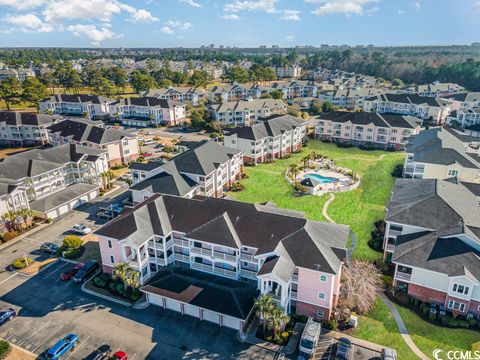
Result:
[
  {"x": 452, "y": 172},
  {"x": 455, "y": 305},
  {"x": 320, "y": 313},
  {"x": 323, "y": 278},
  {"x": 321, "y": 296},
  {"x": 109, "y": 244},
  {"x": 461, "y": 289},
  {"x": 112, "y": 259}
]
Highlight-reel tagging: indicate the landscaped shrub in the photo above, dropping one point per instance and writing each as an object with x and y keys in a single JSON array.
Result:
[
  {"x": 105, "y": 277},
  {"x": 432, "y": 315},
  {"x": 136, "y": 295},
  {"x": 425, "y": 308},
  {"x": 402, "y": 297},
  {"x": 72, "y": 242},
  {"x": 97, "y": 280},
  {"x": 128, "y": 292},
  {"x": 120, "y": 288},
  {"x": 4, "y": 349},
  {"x": 111, "y": 286},
  {"x": 21, "y": 263},
  {"x": 72, "y": 253},
  {"x": 330, "y": 324},
  {"x": 10, "y": 235}
]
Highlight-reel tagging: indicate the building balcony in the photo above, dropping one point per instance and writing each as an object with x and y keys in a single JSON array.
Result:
[
  {"x": 228, "y": 273},
  {"x": 201, "y": 251},
  {"x": 181, "y": 257},
  {"x": 224, "y": 256},
  {"x": 295, "y": 278},
  {"x": 390, "y": 248},
  {"x": 203, "y": 267},
  {"x": 394, "y": 233},
  {"x": 181, "y": 242},
  {"x": 293, "y": 294},
  {"x": 403, "y": 276},
  {"x": 247, "y": 257},
  {"x": 248, "y": 273}
]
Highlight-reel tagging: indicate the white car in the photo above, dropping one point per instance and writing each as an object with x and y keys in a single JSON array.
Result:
[{"x": 81, "y": 229}]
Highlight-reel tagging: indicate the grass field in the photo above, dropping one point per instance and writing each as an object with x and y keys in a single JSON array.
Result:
[{"x": 358, "y": 208}]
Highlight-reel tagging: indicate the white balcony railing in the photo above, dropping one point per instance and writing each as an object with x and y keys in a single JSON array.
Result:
[
  {"x": 201, "y": 251},
  {"x": 293, "y": 294},
  {"x": 169, "y": 243},
  {"x": 181, "y": 257},
  {"x": 225, "y": 272},
  {"x": 248, "y": 273},
  {"x": 390, "y": 247},
  {"x": 181, "y": 242},
  {"x": 224, "y": 256},
  {"x": 203, "y": 267},
  {"x": 247, "y": 257}
]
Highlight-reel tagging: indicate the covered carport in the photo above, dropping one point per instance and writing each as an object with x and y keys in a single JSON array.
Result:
[{"x": 204, "y": 296}]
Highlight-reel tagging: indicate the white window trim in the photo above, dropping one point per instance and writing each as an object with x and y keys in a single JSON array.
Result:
[
  {"x": 320, "y": 294},
  {"x": 325, "y": 276},
  {"x": 320, "y": 313}
]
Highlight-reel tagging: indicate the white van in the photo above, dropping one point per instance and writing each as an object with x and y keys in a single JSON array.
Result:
[
  {"x": 310, "y": 336},
  {"x": 148, "y": 142}
]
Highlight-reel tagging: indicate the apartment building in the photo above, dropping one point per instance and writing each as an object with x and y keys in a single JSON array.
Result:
[
  {"x": 350, "y": 99},
  {"x": 179, "y": 94},
  {"x": 90, "y": 106},
  {"x": 51, "y": 181},
  {"x": 271, "y": 138},
  {"x": 206, "y": 245},
  {"x": 245, "y": 113},
  {"x": 121, "y": 147},
  {"x": 295, "y": 89},
  {"x": 25, "y": 129},
  {"x": 292, "y": 71},
  {"x": 443, "y": 153},
  {"x": 432, "y": 110},
  {"x": 433, "y": 241},
  {"x": 436, "y": 89},
  {"x": 465, "y": 118},
  {"x": 370, "y": 129},
  {"x": 208, "y": 170},
  {"x": 464, "y": 101},
  {"x": 20, "y": 74},
  {"x": 148, "y": 111}
]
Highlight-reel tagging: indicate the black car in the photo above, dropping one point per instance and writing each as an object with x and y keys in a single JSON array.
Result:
[
  {"x": 90, "y": 267},
  {"x": 49, "y": 248}
]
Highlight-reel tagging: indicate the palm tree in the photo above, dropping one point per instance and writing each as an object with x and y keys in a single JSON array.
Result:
[
  {"x": 264, "y": 306},
  {"x": 103, "y": 176},
  {"x": 294, "y": 171},
  {"x": 26, "y": 214},
  {"x": 278, "y": 319},
  {"x": 306, "y": 160},
  {"x": 120, "y": 271},
  {"x": 110, "y": 177},
  {"x": 10, "y": 216},
  {"x": 132, "y": 279},
  {"x": 313, "y": 155}
]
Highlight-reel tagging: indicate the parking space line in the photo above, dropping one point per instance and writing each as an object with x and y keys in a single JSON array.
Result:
[
  {"x": 36, "y": 330},
  {"x": 43, "y": 342},
  {"x": 78, "y": 347},
  {"x": 54, "y": 271}
]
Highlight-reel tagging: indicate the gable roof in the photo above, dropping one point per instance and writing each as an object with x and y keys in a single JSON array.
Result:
[
  {"x": 147, "y": 101},
  {"x": 85, "y": 131},
  {"x": 232, "y": 223},
  {"x": 408, "y": 99},
  {"x": 15, "y": 118},
  {"x": 78, "y": 98},
  {"x": 366, "y": 118},
  {"x": 243, "y": 105}
]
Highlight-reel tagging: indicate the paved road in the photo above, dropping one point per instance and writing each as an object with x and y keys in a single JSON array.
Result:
[{"x": 50, "y": 308}]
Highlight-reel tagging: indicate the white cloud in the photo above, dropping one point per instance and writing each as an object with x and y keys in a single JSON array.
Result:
[
  {"x": 293, "y": 15},
  {"x": 191, "y": 3},
  {"x": 172, "y": 26},
  {"x": 289, "y": 37},
  {"x": 267, "y": 6},
  {"x": 477, "y": 6},
  {"x": 28, "y": 23},
  {"x": 23, "y": 4},
  {"x": 96, "y": 35},
  {"x": 372, "y": 11},
  {"x": 347, "y": 7},
  {"x": 142, "y": 16},
  {"x": 416, "y": 5},
  {"x": 166, "y": 30},
  {"x": 230, "y": 16}
]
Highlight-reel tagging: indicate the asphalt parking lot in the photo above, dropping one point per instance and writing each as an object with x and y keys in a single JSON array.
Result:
[{"x": 49, "y": 309}]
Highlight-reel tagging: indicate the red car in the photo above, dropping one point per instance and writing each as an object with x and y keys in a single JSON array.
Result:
[
  {"x": 70, "y": 273},
  {"x": 119, "y": 355},
  {"x": 146, "y": 154}
]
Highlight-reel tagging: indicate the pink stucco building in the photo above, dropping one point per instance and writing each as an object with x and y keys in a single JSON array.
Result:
[{"x": 276, "y": 251}]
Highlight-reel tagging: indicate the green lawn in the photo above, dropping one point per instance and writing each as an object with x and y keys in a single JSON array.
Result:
[
  {"x": 428, "y": 336},
  {"x": 358, "y": 208},
  {"x": 380, "y": 327}
]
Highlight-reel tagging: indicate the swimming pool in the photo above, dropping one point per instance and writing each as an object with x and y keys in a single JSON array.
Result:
[{"x": 322, "y": 179}]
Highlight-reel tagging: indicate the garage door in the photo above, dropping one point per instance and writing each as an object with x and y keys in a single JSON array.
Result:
[
  {"x": 155, "y": 300},
  {"x": 93, "y": 195},
  {"x": 173, "y": 305},
  {"x": 63, "y": 209},
  {"x": 52, "y": 214},
  {"x": 191, "y": 310},
  {"x": 211, "y": 316},
  {"x": 84, "y": 199},
  {"x": 74, "y": 204},
  {"x": 231, "y": 322}
]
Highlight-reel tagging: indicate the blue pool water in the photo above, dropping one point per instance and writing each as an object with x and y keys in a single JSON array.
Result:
[{"x": 322, "y": 179}]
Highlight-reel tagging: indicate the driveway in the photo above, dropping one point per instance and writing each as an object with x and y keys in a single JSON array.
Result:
[{"x": 50, "y": 308}]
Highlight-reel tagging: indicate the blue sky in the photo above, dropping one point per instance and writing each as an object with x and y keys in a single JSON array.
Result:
[{"x": 191, "y": 23}]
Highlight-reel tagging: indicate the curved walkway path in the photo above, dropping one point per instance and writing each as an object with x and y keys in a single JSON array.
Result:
[
  {"x": 325, "y": 208},
  {"x": 403, "y": 329}
]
